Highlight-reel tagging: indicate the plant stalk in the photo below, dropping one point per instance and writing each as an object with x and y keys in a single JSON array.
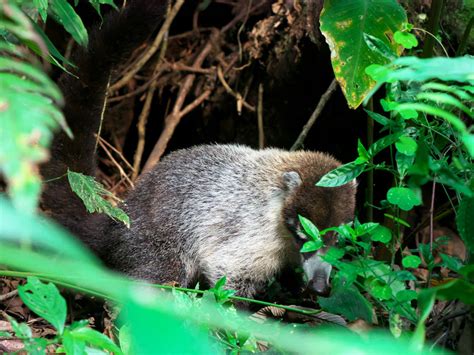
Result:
[{"x": 433, "y": 27}]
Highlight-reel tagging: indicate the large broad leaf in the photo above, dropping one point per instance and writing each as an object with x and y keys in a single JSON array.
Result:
[
  {"x": 45, "y": 300},
  {"x": 348, "y": 302},
  {"x": 344, "y": 23}
]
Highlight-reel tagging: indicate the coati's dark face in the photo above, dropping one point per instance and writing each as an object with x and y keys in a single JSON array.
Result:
[{"x": 325, "y": 207}]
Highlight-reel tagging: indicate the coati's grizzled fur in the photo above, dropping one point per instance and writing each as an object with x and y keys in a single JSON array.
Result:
[{"x": 202, "y": 212}]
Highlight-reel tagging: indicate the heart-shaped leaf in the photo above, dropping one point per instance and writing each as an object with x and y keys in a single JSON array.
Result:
[
  {"x": 381, "y": 234},
  {"x": 403, "y": 197},
  {"x": 412, "y": 261},
  {"x": 406, "y": 145}
]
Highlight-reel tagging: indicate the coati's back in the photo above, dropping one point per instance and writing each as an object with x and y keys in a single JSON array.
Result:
[{"x": 217, "y": 210}]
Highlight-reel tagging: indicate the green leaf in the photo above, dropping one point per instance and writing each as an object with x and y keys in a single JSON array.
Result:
[
  {"x": 446, "y": 99},
  {"x": 398, "y": 220},
  {"x": 42, "y": 7},
  {"x": 439, "y": 68},
  {"x": 341, "y": 175},
  {"x": 333, "y": 254},
  {"x": 404, "y": 162},
  {"x": 406, "y": 145},
  {"x": 344, "y": 25},
  {"x": 125, "y": 339},
  {"x": 453, "y": 89},
  {"x": 411, "y": 261},
  {"x": 309, "y": 228},
  {"x": 43, "y": 235},
  {"x": 96, "y": 5},
  {"x": 407, "y": 40},
  {"x": 383, "y": 143},
  {"x": 21, "y": 330},
  {"x": 91, "y": 192},
  {"x": 54, "y": 55},
  {"x": 365, "y": 228},
  {"x": 384, "y": 121},
  {"x": 403, "y": 197},
  {"x": 29, "y": 114},
  {"x": 377, "y": 72},
  {"x": 380, "y": 290},
  {"x": 421, "y": 165},
  {"x": 451, "y": 262},
  {"x": 363, "y": 154},
  {"x": 406, "y": 295},
  {"x": 65, "y": 14},
  {"x": 456, "y": 122},
  {"x": 45, "y": 300},
  {"x": 380, "y": 47},
  {"x": 468, "y": 140},
  {"x": 446, "y": 176},
  {"x": 395, "y": 324},
  {"x": 348, "y": 302},
  {"x": 381, "y": 234},
  {"x": 94, "y": 338},
  {"x": 311, "y": 246},
  {"x": 465, "y": 222}
]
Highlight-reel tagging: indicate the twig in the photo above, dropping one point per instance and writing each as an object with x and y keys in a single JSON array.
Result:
[
  {"x": 240, "y": 100},
  {"x": 152, "y": 49},
  {"x": 137, "y": 91},
  {"x": 102, "y": 112},
  {"x": 370, "y": 173},
  {"x": 199, "y": 100},
  {"x": 172, "y": 120},
  {"x": 433, "y": 189},
  {"x": 8, "y": 295},
  {"x": 261, "y": 133},
  {"x": 119, "y": 167},
  {"x": 142, "y": 120},
  {"x": 118, "y": 152},
  {"x": 183, "y": 67},
  {"x": 319, "y": 108}
]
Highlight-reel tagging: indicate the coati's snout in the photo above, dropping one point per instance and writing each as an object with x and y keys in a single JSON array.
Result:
[{"x": 317, "y": 272}]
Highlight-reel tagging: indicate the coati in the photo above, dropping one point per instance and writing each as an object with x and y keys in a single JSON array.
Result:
[{"x": 202, "y": 212}]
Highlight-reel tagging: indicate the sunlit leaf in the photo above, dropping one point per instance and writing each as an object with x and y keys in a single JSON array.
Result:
[
  {"x": 344, "y": 24},
  {"x": 406, "y": 39}
]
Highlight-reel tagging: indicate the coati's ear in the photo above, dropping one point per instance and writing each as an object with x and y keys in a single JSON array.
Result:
[{"x": 291, "y": 180}]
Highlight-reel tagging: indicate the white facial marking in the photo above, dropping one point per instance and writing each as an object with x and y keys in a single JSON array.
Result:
[{"x": 316, "y": 265}]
